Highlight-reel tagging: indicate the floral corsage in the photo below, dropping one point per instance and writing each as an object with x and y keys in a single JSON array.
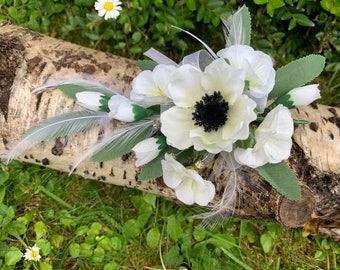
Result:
[{"x": 231, "y": 104}]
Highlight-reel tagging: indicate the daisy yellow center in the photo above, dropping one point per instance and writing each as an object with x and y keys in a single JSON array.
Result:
[
  {"x": 34, "y": 254},
  {"x": 211, "y": 112},
  {"x": 108, "y": 6}
]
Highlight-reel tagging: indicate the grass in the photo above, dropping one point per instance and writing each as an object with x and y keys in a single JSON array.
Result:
[{"x": 85, "y": 224}]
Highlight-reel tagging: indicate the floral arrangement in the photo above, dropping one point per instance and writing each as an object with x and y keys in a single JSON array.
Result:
[{"x": 231, "y": 105}]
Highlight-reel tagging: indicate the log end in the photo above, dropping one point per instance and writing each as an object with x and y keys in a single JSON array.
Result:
[{"x": 295, "y": 214}]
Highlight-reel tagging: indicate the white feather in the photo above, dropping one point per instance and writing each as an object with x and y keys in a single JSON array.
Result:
[
  {"x": 84, "y": 83},
  {"x": 202, "y": 42},
  {"x": 129, "y": 133},
  {"x": 58, "y": 126},
  {"x": 235, "y": 32},
  {"x": 222, "y": 210}
]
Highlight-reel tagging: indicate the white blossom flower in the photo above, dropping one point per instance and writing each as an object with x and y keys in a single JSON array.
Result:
[
  {"x": 108, "y": 8},
  {"x": 149, "y": 149},
  {"x": 189, "y": 186},
  {"x": 122, "y": 109},
  {"x": 32, "y": 254},
  {"x": 210, "y": 111},
  {"x": 301, "y": 96},
  {"x": 92, "y": 100},
  {"x": 150, "y": 87},
  {"x": 258, "y": 67},
  {"x": 273, "y": 140}
]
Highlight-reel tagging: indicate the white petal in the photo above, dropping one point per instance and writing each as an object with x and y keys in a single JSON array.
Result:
[
  {"x": 176, "y": 124},
  {"x": 184, "y": 192},
  {"x": 146, "y": 151},
  {"x": 89, "y": 100},
  {"x": 250, "y": 157},
  {"x": 172, "y": 171},
  {"x": 219, "y": 76},
  {"x": 185, "y": 86},
  {"x": 240, "y": 114},
  {"x": 304, "y": 95},
  {"x": 121, "y": 108}
]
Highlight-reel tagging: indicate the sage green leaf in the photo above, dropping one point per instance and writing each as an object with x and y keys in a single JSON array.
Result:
[
  {"x": 146, "y": 64},
  {"x": 123, "y": 141},
  {"x": 297, "y": 73},
  {"x": 237, "y": 29},
  {"x": 281, "y": 177},
  {"x": 59, "y": 126},
  {"x": 152, "y": 237}
]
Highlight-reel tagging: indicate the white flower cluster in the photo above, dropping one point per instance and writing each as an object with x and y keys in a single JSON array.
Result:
[{"x": 219, "y": 109}]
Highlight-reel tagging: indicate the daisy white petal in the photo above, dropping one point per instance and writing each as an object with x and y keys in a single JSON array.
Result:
[
  {"x": 32, "y": 254},
  {"x": 110, "y": 9}
]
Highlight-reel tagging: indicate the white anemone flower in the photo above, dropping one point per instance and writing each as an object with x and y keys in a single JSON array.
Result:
[
  {"x": 273, "y": 140},
  {"x": 189, "y": 186},
  {"x": 122, "y": 109},
  {"x": 150, "y": 87},
  {"x": 92, "y": 100},
  {"x": 210, "y": 111},
  {"x": 32, "y": 254},
  {"x": 148, "y": 149},
  {"x": 258, "y": 67},
  {"x": 110, "y": 9}
]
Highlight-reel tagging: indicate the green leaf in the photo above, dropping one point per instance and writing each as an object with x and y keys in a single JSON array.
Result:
[
  {"x": 45, "y": 266},
  {"x": 45, "y": 246},
  {"x": 74, "y": 249},
  {"x": 333, "y": 6},
  {"x": 13, "y": 256},
  {"x": 297, "y": 73},
  {"x": 303, "y": 20},
  {"x": 40, "y": 229},
  {"x": 173, "y": 227},
  {"x": 260, "y": 2},
  {"x": 266, "y": 242},
  {"x": 146, "y": 64},
  {"x": 2, "y": 192},
  {"x": 292, "y": 24},
  {"x": 281, "y": 177},
  {"x": 72, "y": 87},
  {"x": 152, "y": 237},
  {"x": 123, "y": 142}
]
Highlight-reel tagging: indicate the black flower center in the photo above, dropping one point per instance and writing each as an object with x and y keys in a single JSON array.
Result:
[{"x": 211, "y": 112}]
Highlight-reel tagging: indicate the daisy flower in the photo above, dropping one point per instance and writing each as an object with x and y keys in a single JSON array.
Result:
[
  {"x": 32, "y": 254},
  {"x": 211, "y": 112},
  {"x": 110, "y": 9}
]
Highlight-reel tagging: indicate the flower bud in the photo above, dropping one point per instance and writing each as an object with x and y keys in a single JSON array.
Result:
[
  {"x": 93, "y": 100},
  {"x": 122, "y": 109},
  {"x": 149, "y": 149}
]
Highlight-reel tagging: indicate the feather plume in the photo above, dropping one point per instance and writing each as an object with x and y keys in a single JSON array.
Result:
[
  {"x": 118, "y": 143},
  {"x": 237, "y": 28},
  {"x": 58, "y": 126},
  {"x": 72, "y": 86},
  {"x": 213, "y": 54},
  {"x": 223, "y": 210}
]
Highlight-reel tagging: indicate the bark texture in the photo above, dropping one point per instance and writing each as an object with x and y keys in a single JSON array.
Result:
[{"x": 28, "y": 59}]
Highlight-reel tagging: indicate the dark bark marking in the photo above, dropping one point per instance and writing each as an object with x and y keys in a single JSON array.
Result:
[
  {"x": 11, "y": 57},
  {"x": 314, "y": 126}
]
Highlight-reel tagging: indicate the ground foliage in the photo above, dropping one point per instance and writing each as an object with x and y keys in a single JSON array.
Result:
[{"x": 83, "y": 224}]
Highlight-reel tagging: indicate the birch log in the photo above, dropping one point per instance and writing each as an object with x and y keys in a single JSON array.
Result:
[{"x": 28, "y": 59}]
